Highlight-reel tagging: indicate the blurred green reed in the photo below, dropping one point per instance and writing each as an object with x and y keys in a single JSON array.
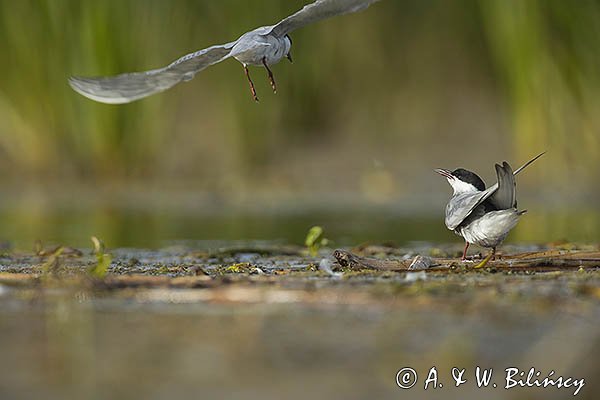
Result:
[
  {"x": 546, "y": 54},
  {"x": 383, "y": 80}
]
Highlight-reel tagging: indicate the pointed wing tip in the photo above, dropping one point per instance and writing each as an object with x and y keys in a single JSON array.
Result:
[
  {"x": 85, "y": 87},
  {"x": 74, "y": 81},
  {"x": 80, "y": 81},
  {"x": 539, "y": 155},
  {"x": 521, "y": 168}
]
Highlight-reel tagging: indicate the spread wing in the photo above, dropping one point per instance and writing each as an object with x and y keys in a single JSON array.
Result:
[
  {"x": 463, "y": 204},
  {"x": 317, "y": 11},
  {"x": 125, "y": 88}
]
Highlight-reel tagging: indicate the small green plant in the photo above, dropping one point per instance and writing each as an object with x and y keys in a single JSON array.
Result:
[
  {"x": 103, "y": 259},
  {"x": 238, "y": 268},
  {"x": 315, "y": 240},
  {"x": 54, "y": 262}
]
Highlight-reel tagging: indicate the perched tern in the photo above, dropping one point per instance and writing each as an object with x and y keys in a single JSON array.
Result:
[{"x": 483, "y": 216}]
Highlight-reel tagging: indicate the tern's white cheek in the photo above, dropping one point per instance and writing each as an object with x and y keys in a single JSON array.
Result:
[{"x": 461, "y": 187}]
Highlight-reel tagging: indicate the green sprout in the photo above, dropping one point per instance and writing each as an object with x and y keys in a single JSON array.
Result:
[
  {"x": 315, "y": 240},
  {"x": 53, "y": 264},
  {"x": 103, "y": 259}
]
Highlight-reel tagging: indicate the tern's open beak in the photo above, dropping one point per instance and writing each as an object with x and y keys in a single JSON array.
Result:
[
  {"x": 289, "y": 57},
  {"x": 444, "y": 172}
]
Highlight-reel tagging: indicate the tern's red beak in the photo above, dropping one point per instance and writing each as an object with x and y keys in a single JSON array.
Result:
[{"x": 444, "y": 172}]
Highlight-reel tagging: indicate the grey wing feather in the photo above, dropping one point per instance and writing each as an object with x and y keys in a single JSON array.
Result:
[
  {"x": 125, "y": 88},
  {"x": 320, "y": 9},
  {"x": 506, "y": 195},
  {"x": 462, "y": 205}
]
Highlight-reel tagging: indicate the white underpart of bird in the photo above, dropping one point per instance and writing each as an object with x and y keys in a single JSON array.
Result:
[
  {"x": 492, "y": 228},
  {"x": 259, "y": 45},
  {"x": 262, "y": 46},
  {"x": 483, "y": 216}
]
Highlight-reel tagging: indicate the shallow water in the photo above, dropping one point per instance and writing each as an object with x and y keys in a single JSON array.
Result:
[
  {"x": 288, "y": 330},
  {"x": 121, "y": 348},
  {"x": 156, "y": 226}
]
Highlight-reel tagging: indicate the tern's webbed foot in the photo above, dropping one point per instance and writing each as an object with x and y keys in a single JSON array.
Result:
[{"x": 484, "y": 262}]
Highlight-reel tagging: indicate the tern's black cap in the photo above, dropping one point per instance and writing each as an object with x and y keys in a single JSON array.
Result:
[{"x": 469, "y": 177}]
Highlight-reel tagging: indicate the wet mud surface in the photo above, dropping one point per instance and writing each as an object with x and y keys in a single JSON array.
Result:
[{"x": 269, "y": 320}]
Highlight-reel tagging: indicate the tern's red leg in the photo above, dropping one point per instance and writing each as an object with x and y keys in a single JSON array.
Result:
[
  {"x": 252, "y": 90},
  {"x": 464, "y": 257},
  {"x": 271, "y": 79}
]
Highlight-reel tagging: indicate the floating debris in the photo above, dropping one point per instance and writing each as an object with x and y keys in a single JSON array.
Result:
[
  {"x": 421, "y": 262},
  {"x": 257, "y": 271},
  {"x": 352, "y": 261},
  {"x": 325, "y": 266}
]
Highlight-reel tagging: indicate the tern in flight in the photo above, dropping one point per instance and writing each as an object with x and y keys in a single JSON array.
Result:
[{"x": 262, "y": 46}]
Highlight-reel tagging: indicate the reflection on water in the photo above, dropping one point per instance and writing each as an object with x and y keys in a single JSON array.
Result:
[
  {"x": 80, "y": 347},
  {"x": 148, "y": 224}
]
